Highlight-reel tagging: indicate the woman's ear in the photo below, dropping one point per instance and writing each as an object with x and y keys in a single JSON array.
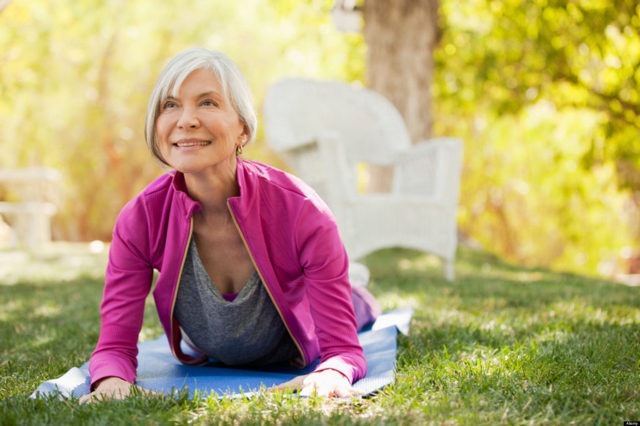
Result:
[{"x": 245, "y": 134}]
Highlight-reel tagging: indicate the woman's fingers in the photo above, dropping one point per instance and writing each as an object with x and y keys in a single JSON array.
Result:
[
  {"x": 108, "y": 388},
  {"x": 337, "y": 389},
  {"x": 293, "y": 384},
  {"x": 323, "y": 383},
  {"x": 96, "y": 396},
  {"x": 349, "y": 392},
  {"x": 86, "y": 399},
  {"x": 113, "y": 388}
]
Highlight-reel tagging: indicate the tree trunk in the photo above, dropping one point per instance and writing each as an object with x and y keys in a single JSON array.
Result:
[{"x": 401, "y": 36}]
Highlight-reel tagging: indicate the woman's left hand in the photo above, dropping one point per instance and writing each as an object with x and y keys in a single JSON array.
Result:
[{"x": 321, "y": 383}]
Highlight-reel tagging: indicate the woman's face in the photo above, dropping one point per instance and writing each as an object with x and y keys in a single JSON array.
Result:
[{"x": 199, "y": 129}]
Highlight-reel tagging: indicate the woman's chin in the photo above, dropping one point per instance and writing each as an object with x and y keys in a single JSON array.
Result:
[{"x": 199, "y": 167}]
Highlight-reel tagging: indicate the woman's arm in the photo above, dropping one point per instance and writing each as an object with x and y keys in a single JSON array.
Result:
[
  {"x": 325, "y": 265},
  {"x": 127, "y": 284}
]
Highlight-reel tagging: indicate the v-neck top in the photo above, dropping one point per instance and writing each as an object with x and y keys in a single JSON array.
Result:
[{"x": 246, "y": 330}]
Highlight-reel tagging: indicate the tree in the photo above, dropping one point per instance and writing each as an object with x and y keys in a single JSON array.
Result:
[
  {"x": 75, "y": 77},
  {"x": 546, "y": 95},
  {"x": 584, "y": 54},
  {"x": 401, "y": 36}
]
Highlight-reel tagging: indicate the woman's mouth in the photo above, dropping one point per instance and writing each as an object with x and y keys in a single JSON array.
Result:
[{"x": 187, "y": 143}]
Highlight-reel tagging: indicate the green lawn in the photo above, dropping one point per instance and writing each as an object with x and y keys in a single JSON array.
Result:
[{"x": 502, "y": 344}]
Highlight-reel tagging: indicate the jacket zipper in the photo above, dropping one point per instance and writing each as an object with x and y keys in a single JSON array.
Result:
[
  {"x": 255, "y": 265},
  {"x": 175, "y": 293}
]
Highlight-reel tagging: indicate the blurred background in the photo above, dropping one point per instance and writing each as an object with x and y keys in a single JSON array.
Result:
[{"x": 544, "y": 93}]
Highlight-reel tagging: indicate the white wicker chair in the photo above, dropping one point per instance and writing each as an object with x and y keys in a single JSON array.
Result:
[{"x": 325, "y": 129}]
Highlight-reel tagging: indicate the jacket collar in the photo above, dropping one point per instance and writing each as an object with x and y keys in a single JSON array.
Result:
[{"x": 180, "y": 187}]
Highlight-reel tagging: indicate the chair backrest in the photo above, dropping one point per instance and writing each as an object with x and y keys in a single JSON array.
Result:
[{"x": 298, "y": 111}]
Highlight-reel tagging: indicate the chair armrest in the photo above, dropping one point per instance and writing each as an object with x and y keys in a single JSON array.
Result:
[
  {"x": 322, "y": 164},
  {"x": 305, "y": 161},
  {"x": 341, "y": 177},
  {"x": 432, "y": 167}
]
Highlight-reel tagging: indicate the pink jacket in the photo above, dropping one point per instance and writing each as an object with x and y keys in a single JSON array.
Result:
[{"x": 292, "y": 239}]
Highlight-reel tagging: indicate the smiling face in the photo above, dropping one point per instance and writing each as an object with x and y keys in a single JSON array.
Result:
[{"x": 199, "y": 129}]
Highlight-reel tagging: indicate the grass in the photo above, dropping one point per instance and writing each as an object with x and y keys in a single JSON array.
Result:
[{"x": 502, "y": 344}]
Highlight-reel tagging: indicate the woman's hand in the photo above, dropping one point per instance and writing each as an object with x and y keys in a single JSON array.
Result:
[
  {"x": 111, "y": 388},
  {"x": 321, "y": 383}
]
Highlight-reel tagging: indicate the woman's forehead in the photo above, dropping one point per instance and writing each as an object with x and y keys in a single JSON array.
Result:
[{"x": 200, "y": 79}]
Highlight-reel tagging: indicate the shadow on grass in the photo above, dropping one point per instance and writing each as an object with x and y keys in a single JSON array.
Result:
[
  {"x": 484, "y": 282},
  {"x": 48, "y": 327},
  {"x": 501, "y": 344},
  {"x": 587, "y": 372},
  {"x": 503, "y": 339}
]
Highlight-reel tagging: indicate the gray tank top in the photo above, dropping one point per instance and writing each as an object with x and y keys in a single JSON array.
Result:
[{"x": 245, "y": 331}]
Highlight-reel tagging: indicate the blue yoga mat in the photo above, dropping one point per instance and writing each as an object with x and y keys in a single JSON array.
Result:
[{"x": 159, "y": 371}]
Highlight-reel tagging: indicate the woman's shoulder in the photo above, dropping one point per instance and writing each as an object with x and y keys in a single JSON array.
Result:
[
  {"x": 262, "y": 181},
  {"x": 159, "y": 185},
  {"x": 155, "y": 192},
  {"x": 265, "y": 176}
]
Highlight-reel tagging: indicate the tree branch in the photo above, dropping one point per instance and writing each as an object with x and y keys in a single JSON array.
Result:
[
  {"x": 4, "y": 4},
  {"x": 605, "y": 99}
]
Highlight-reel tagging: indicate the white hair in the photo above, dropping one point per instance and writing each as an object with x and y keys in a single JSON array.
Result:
[{"x": 233, "y": 83}]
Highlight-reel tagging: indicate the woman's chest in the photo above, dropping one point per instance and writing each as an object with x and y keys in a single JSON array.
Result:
[{"x": 224, "y": 257}]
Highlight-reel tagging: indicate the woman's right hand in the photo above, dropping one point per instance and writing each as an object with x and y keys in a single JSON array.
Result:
[{"x": 111, "y": 388}]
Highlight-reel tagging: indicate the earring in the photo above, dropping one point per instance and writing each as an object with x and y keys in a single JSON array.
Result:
[{"x": 243, "y": 142}]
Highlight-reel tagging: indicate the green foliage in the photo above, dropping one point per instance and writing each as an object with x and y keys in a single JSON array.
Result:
[
  {"x": 546, "y": 95},
  {"x": 75, "y": 77},
  {"x": 502, "y": 344}
]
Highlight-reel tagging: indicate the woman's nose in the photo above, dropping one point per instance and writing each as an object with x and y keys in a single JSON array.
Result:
[{"x": 188, "y": 118}]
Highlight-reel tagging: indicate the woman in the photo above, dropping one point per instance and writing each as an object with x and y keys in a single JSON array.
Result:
[{"x": 251, "y": 267}]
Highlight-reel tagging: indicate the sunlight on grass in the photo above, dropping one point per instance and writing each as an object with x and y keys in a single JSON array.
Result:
[
  {"x": 501, "y": 344},
  {"x": 57, "y": 262},
  {"x": 42, "y": 340},
  {"x": 7, "y": 309},
  {"x": 555, "y": 336},
  {"x": 520, "y": 277},
  {"x": 149, "y": 333},
  {"x": 424, "y": 262},
  {"x": 528, "y": 277},
  {"x": 394, "y": 300},
  {"x": 47, "y": 310},
  {"x": 493, "y": 325}
]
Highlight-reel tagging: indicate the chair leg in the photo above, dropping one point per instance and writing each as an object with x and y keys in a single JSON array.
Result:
[{"x": 449, "y": 270}]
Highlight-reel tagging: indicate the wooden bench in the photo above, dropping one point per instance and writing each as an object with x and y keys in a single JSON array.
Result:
[{"x": 28, "y": 209}]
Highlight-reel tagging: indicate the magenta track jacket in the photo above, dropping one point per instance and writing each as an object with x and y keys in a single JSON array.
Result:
[{"x": 292, "y": 239}]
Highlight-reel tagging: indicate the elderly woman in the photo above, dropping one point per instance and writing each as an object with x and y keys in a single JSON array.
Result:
[{"x": 252, "y": 270}]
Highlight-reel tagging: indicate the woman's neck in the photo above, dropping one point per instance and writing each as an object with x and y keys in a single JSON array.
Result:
[{"x": 212, "y": 188}]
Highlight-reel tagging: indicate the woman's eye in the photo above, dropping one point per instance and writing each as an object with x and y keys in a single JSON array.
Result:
[
  {"x": 169, "y": 104},
  {"x": 209, "y": 102}
]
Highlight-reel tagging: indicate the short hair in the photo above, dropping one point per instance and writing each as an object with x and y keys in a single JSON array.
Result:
[{"x": 233, "y": 83}]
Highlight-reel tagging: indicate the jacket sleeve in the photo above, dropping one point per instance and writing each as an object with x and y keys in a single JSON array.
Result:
[
  {"x": 325, "y": 264},
  {"x": 127, "y": 283}
]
